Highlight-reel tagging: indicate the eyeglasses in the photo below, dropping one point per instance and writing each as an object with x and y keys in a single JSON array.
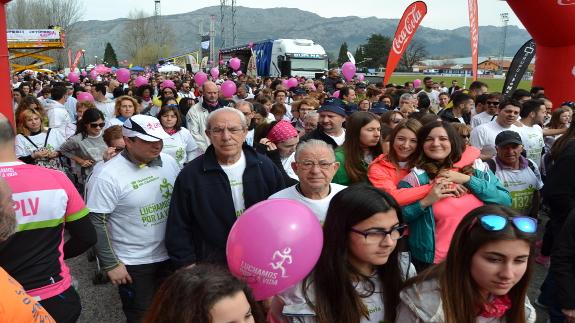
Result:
[
  {"x": 495, "y": 222},
  {"x": 220, "y": 131},
  {"x": 308, "y": 164},
  {"x": 171, "y": 105},
  {"x": 118, "y": 149},
  {"x": 96, "y": 125},
  {"x": 492, "y": 102},
  {"x": 465, "y": 136},
  {"x": 374, "y": 236}
]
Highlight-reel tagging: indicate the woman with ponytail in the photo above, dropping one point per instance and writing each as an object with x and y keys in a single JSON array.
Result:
[{"x": 455, "y": 191}]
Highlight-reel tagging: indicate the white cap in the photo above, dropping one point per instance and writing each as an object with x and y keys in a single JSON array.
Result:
[{"x": 144, "y": 127}]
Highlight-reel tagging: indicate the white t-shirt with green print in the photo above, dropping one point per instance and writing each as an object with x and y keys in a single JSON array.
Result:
[
  {"x": 138, "y": 199},
  {"x": 26, "y": 148},
  {"x": 181, "y": 146}
]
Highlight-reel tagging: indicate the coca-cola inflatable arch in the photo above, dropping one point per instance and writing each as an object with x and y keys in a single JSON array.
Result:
[{"x": 550, "y": 23}]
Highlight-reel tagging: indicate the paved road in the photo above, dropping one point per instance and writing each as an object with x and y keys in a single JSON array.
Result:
[{"x": 102, "y": 304}]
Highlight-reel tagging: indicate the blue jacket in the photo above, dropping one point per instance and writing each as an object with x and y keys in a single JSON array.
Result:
[{"x": 202, "y": 209}]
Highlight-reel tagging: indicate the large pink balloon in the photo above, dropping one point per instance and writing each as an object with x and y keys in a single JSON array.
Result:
[
  {"x": 84, "y": 73},
  {"x": 292, "y": 82},
  {"x": 285, "y": 83},
  {"x": 94, "y": 74},
  {"x": 73, "y": 77},
  {"x": 141, "y": 80},
  {"x": 416, "y": 83},
  {"x": 84, "y": 96},
  {"x": 123, "y": 75},
  {"x": 101, "y": 68},
  {"x": 273, "y": 245},
  {"x": 228, "y": 88},
  {"x": 348, "y": 70},
  {"x": 200, "y": 78},
  {"x": 215, "y": 72},
  {"x": 235, "y": 63}
]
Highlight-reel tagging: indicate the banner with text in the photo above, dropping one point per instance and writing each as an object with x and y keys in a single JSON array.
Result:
[
  {"x": 474, "y": 35},
  {"x": 518, "y": 66},
  {"x": 408, "y": 24}
]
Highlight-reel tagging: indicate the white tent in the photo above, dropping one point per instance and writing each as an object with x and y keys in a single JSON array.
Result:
[{"x": 169, "y": 68}]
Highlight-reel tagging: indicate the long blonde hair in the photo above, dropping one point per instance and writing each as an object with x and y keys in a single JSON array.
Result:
[{"x": 21, "y": 121}]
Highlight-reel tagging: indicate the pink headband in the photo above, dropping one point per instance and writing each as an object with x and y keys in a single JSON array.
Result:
[{"x": 281, "y": 131}]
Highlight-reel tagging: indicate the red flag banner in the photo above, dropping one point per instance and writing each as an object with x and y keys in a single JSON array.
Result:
[
  {"x": 70, "y": 57},
  {"x": 474, "y": 35},
  {"x": 76, "y": 60},
  {"x": 408, "y": 24}
]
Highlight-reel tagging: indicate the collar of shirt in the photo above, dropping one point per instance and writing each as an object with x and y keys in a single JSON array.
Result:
[{"x": 154, "y": 162}]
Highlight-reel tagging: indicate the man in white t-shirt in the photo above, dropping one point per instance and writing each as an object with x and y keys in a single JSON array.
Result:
[
  {"x": 104, "y": 104},
  {"x": 315, "y": 167},
  {"x": 129, "y": 199},
  {"x": 214, "y": 189},
  {"x": 330, "y": 126},
  {"x": 489, "y": 112},
  {"x": 532, "y": 114},
  {"x": 432, "y": 94},
  {"x": 519, "y": 175},
  {"x": 483, "y": 137}
]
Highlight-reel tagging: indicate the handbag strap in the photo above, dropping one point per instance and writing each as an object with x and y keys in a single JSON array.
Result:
[{"x": 47, "y": 135}]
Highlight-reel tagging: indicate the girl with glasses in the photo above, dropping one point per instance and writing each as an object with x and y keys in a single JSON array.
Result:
[
  {"x": 456, "y": 188},
  {"x": 87, "y": 146},
  {"x": 484, "y": 277},
  {"x": 360, "y": 271}
]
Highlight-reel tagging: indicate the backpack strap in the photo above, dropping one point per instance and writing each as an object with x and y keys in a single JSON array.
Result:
[
  {"x": 47, "y": 135},
  {"x": 491, "y": 164},
  {"x": 531, "y": 166}
]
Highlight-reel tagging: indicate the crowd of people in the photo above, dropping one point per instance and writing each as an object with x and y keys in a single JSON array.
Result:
[{"x": 430, "y": 198}]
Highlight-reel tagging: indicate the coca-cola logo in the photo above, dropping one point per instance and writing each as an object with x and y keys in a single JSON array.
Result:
[{"x": 411, "y": 21}]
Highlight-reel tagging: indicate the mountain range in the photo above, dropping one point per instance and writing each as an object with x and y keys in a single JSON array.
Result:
[{"x": 254, "y": 24}]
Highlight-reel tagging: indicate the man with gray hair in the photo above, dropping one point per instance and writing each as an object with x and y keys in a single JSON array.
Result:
[
  {"x": 315, "y": 167},
  {"x": 198, "y": 114},
  {"x": 247, "y": 109},
  {"x": 407, "y": 104},
  {"x": 213, "y": 190}
]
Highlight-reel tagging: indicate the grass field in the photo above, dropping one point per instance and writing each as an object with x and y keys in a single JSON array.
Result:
[{"x": 495, "y": 85}]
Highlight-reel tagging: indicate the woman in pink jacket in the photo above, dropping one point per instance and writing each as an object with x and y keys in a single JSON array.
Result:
[{"x": 386, "y": 171}]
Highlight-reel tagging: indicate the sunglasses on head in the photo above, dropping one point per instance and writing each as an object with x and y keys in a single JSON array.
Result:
[
  {"x": 496, "y": 222},
  {"x": 97, "y": 125}
]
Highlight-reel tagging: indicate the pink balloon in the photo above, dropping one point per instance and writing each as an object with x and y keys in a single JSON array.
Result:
[
  {"x": 214, "y": 72},
  {"x": 348, "y": 70},
  {"x": 335, "y": 94},
  {"x": 101, "y": 68},
  {"x": 73, "y": 77},
  {"x": 293, "y": 241},
  {"x": 141, "y": 80},
  {"x": 235, "y": 63},
  {"x": 123, "y": 75},
  {"x": 84, "y": 73},
  {"x": 285, "y": 83},
  {"x": 228, "y": 88},
  {"x": 94, "y": 74},
  {"x": 84, "y": 96},
  {"x": 200, "y": 78},
  {"x": 360, "y": 77},
  {"x": 221, "y": 62},
  {"x": 292, "y": 82},
  {"x": 238, "y": 73},
  {"x": 416, "y": 83}
]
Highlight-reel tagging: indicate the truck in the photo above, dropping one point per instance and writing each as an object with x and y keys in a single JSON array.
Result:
[{"x": 281, "y": 57}]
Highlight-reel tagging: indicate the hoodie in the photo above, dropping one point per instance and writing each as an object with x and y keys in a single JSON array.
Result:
[
  {"x": 57, "y": 114},
  {"x": 422, "y": 303}
]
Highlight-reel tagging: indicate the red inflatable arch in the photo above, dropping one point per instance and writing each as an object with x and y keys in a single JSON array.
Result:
[{"x": 550, "y": 23}]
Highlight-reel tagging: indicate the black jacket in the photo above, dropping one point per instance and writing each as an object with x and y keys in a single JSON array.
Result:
[
  {"x": 559, "y": 189},
  {"x": 563, "y": 264},
  {"x": 202, "y": 209},
  {"x": 447, "y": 115},
  {"x": 320, "y": 135}
]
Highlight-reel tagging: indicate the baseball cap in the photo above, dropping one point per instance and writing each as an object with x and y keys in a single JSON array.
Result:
[
  {"x": 332, "y": 108},
  {"x": 379, "y": 108},
  {"x": 298, "y": 91},
  {"x": 144, "y": 127},
  {"x": 508, "y": 137}
]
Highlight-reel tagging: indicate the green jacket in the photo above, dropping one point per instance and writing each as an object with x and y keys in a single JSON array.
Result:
[
  {"x": 483, "y": 184},
  {"x": 341, "y": 176}
]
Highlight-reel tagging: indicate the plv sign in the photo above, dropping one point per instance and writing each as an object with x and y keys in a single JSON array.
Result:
[{"x": 408, "y": 24}]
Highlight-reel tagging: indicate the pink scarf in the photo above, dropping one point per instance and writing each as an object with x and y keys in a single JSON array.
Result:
[{"x": 497, "y": 307}]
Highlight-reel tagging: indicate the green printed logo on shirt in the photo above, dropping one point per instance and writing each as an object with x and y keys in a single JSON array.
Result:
[{"x": 141, "y": 182}]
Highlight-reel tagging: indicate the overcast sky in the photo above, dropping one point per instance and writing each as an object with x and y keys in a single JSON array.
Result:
[{"x": 441, "y": 14}]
